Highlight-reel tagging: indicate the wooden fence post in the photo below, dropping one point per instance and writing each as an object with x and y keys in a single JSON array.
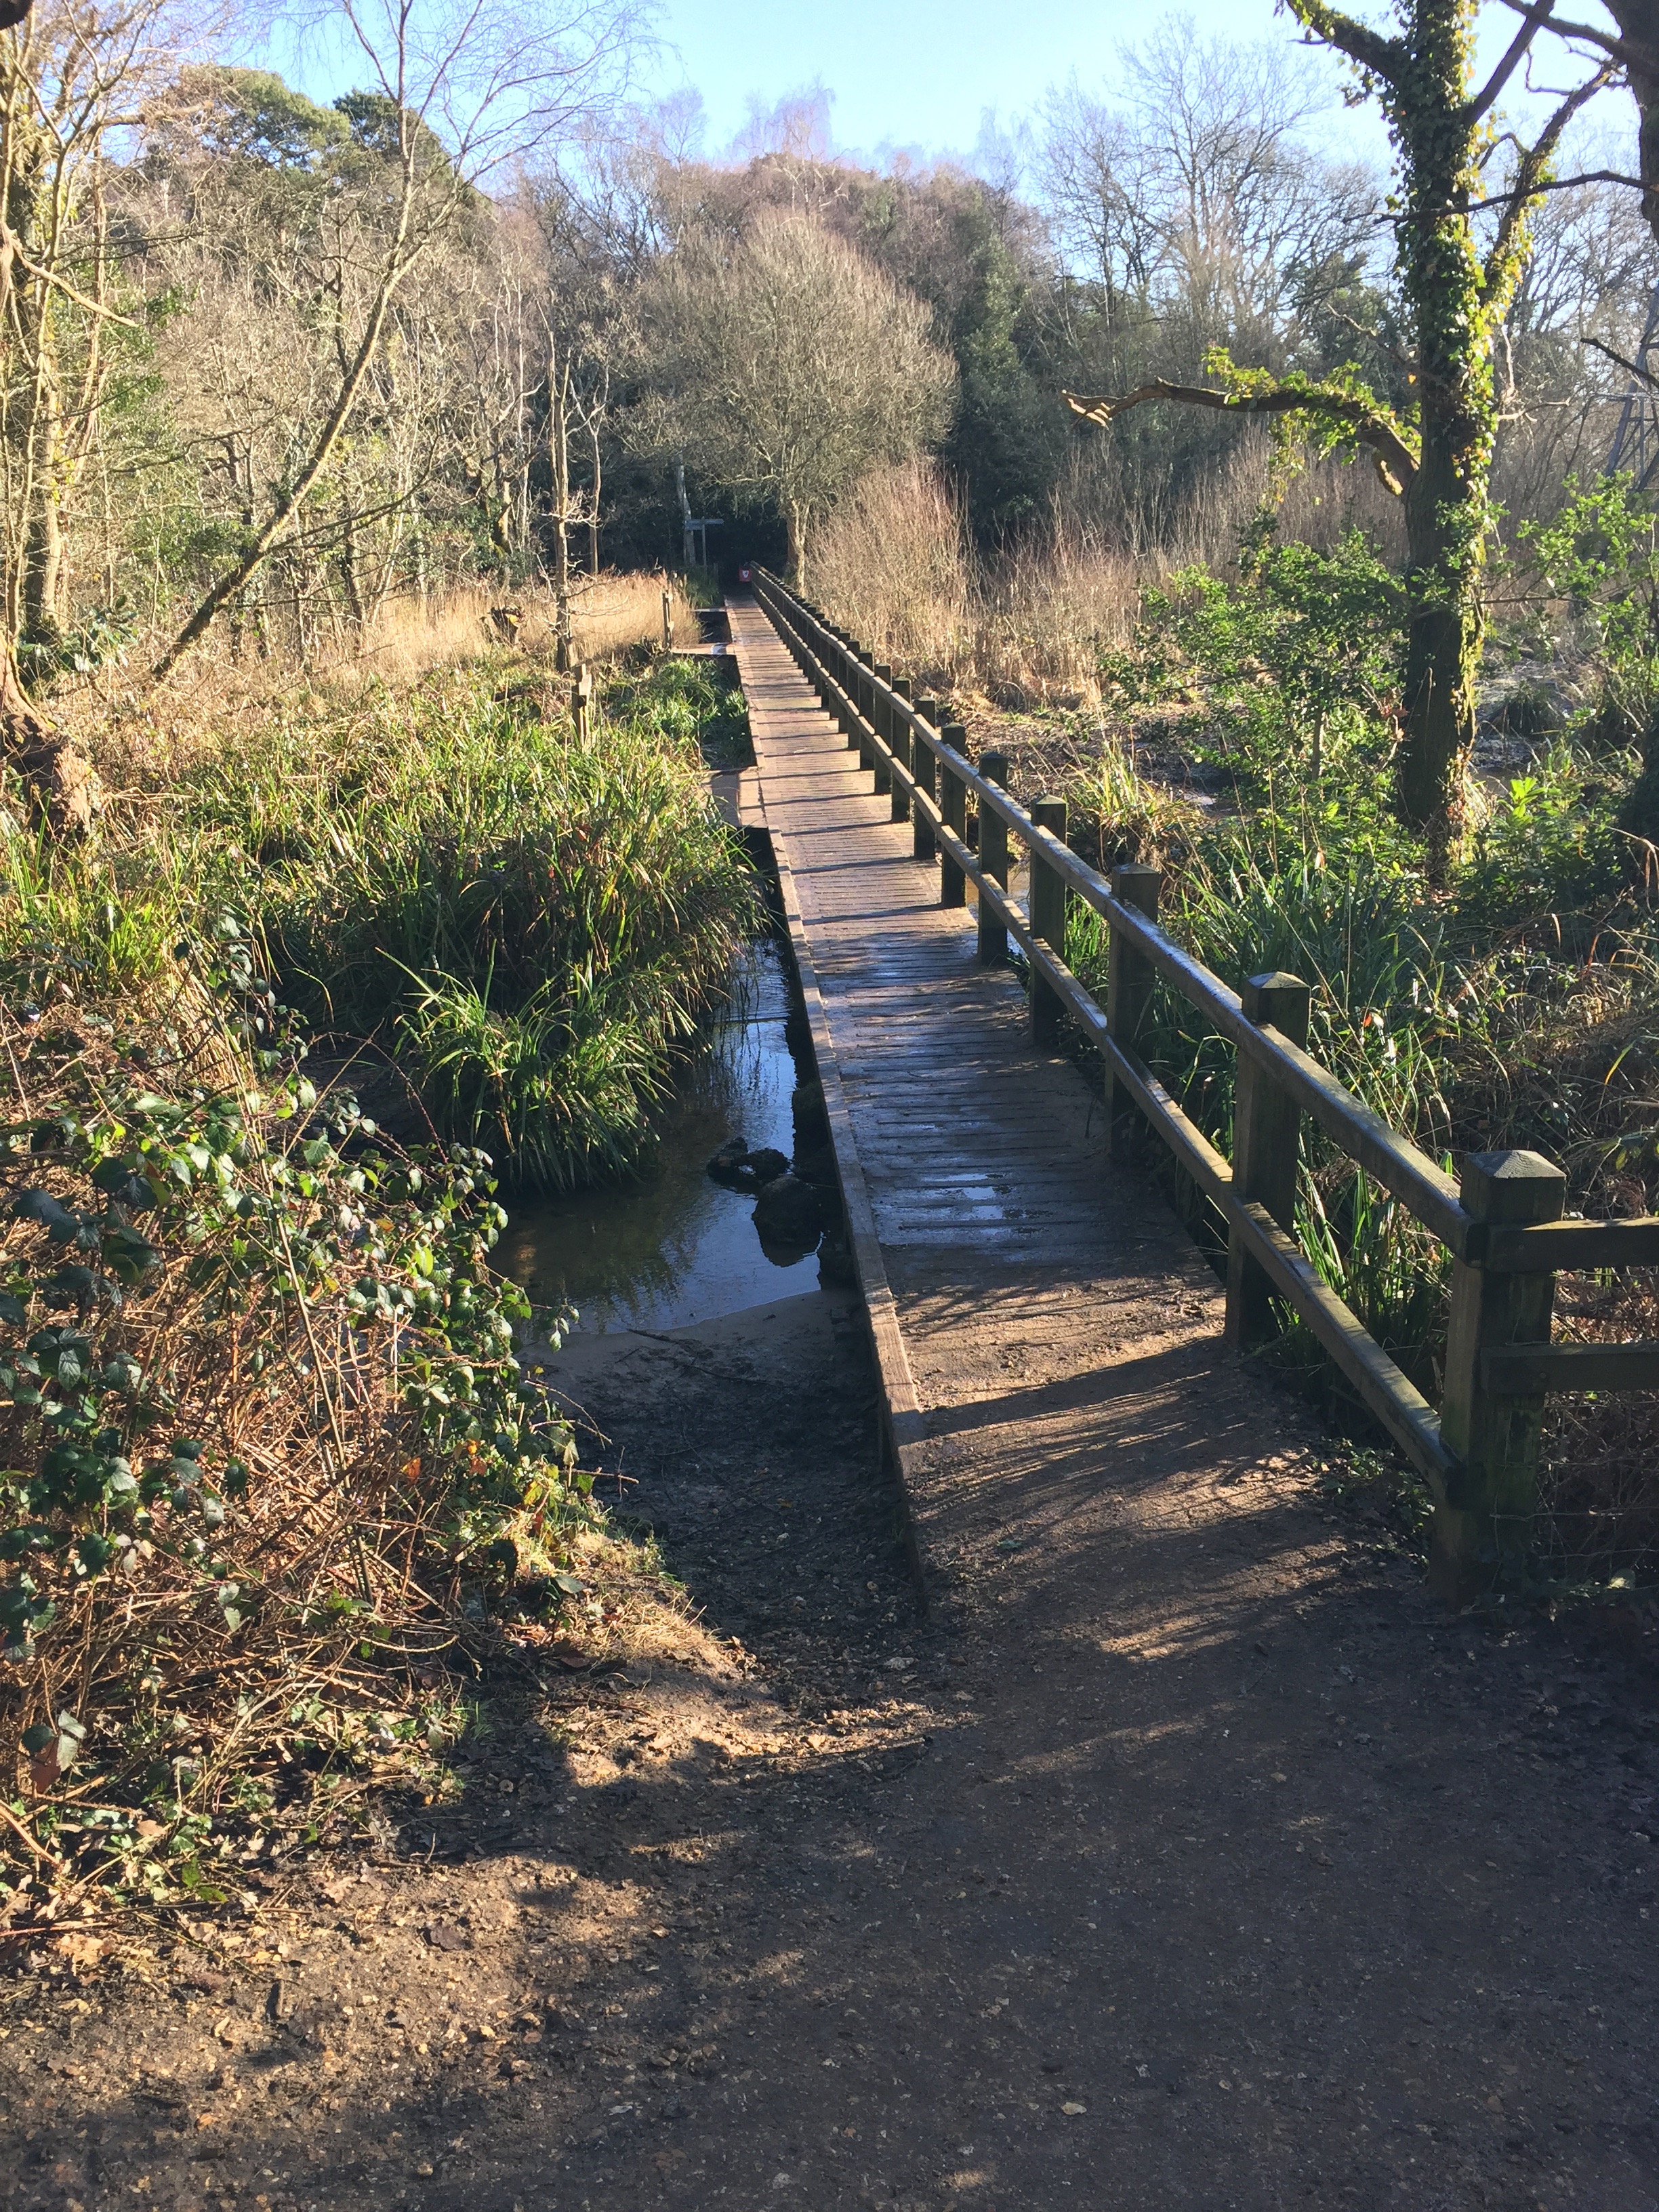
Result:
[
  {"x": 581, "y": 701},
  {"x": 922, "y": 767},
  {"x": 953, "y": 805},
  {"x": 994, "y": 859},
  {"x": 1486, "y": 1525},
  {"x": 1266, "y": 1146},
  {"x": 864, "y": 700},
  {"x": 881, "y": 720},
  {"x": 898, "y": 736},
  {"x": 847, "y": 681},
  {"x": 1129, "y": 981},
  {"x": 1048, "y": 908},
  {"x": 667, "y": 621}
]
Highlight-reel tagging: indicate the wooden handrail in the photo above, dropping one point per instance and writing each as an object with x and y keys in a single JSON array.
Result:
[{"x": 1500, "y": 1225}]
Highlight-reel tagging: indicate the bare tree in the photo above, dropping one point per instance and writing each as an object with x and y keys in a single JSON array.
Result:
[
  {"x": 1194, "y": 189},
  {"x": 786, "y": 366},
  {"x": 458, "y": 92},
  {"x": 72, "y": 77}
]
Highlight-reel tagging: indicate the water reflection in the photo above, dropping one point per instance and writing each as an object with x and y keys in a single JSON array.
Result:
[{"x": 672, "y": 1247}]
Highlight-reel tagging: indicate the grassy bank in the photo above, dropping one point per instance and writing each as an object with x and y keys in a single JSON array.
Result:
[{"x": 275, "y": 1466}]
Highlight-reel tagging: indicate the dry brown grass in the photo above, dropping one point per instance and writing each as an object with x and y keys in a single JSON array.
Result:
[
  {"x": 609, "y": 614},
  {"x": 138, "y": 732},
  {"x": 898, "y": 566}
]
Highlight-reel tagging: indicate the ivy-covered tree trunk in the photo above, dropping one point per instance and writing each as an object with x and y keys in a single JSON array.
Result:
[
  {"x": 1437, "y": 453},
  {"x": 1439, "y": 136}
]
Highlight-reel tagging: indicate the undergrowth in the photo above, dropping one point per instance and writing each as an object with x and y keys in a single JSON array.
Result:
[{"x": 274, "y": 1463}]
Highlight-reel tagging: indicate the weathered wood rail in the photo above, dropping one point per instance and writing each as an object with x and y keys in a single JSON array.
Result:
[{"x": 1501, "y": 1220}]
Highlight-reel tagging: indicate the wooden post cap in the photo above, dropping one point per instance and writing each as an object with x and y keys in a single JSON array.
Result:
[
  {"x": 1280, "y": 999},
  {"x": 956, "y": 736},
  {"x": 1137, "y": 885},
  {"x": 1512, "y": 1186},
  {"x": 994, "y": 767}
]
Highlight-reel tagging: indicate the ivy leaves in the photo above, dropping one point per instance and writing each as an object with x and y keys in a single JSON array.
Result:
[{"x": 280, "y": 1223}]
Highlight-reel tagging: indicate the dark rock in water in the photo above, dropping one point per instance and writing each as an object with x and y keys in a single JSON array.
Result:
[
  {"x": 790, "y": 1212},
  {"x": 806, "y": 1111},
  {"x": 739, "y": 1168}
]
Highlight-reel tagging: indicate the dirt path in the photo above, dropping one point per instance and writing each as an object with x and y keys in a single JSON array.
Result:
[{"x": 1193, "y": 1860}]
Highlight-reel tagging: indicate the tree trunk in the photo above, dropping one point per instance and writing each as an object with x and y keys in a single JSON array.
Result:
[
  {"x": 1448, "y": 511},
  {"x": 1638, "y": 41},
  {"x": 63, "y": 790},
  {"x": 558, "y": 455},
  {"x": 43, "y": 565},
  {"x": 350, "y": 569},
  {"x": 1445, "y": 630},
  {"x": 795, "y": 526},
  {"x": 593, "y": 511}
]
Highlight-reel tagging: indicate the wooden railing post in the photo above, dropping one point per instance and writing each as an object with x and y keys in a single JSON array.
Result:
[
  {"x": 953, "y": 805},
  {"x": 667, "y": 621},
  {"x": 898, "y": 736},
  {"x": 1129, "y": 981},
  {"x": 1048, "y": 908},
  {"x": 1267, "y": 1147},
  {"x": 922, "y": 767},
  {"x": 864, "y": 700},
  {"x": 994, "y": 859},
  {"x": 881, "y": 720},
  {"x": 581, "y": 701},
  {"x": 840, "y": 669},
  {"x": 1486, "y": 1525}
]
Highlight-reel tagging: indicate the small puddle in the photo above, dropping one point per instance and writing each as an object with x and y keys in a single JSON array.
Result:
[{"x": 671, "y": 1247}]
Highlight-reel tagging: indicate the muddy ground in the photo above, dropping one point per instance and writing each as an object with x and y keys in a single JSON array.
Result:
[{"x": 1304, "y": 1893}]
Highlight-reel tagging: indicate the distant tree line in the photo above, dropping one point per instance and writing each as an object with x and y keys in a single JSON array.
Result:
[{"x": 271, "y": 364}]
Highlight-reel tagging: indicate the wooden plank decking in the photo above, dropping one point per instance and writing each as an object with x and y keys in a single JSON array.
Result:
[{"x": 1031, "y": 1303}]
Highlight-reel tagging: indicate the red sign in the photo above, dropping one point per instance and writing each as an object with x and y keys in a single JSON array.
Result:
[{"x": 745, "y": 576}]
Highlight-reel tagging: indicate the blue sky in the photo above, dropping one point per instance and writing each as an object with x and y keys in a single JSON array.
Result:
[
  {"x": 921, "y": 77},
  {"x": 919, "y": 74}
]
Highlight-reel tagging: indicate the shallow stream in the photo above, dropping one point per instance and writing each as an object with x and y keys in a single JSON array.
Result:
[{"x": 671, "y": 1247}]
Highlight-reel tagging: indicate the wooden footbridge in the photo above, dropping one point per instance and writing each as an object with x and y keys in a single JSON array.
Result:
[{"x": 1015, "y": 1264}]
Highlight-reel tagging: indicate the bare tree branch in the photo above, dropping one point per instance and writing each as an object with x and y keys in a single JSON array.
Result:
[
  {"x": 1533, "y": 16},
  {"x": 1396, "y": 463}
]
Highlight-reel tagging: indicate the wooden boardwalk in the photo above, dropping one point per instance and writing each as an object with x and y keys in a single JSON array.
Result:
[{"x": 1033, "y": 1304}]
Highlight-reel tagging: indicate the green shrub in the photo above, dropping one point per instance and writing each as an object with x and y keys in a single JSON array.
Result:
[
  {"x": 1553, "y": 847},
  {"x": 1298, "y": 660}
]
